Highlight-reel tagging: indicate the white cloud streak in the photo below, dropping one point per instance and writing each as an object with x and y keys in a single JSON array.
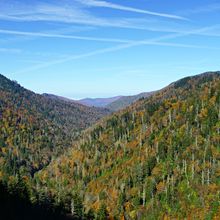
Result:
[
  {"x": 72, "y": 13},
  {"x": 10, "y": 50},
  {"x": 203, "y": 32},
  {"x": 48, "y": 35},
  {"x": 154, "y": 41},
  {"x": 105, "y": 4}
]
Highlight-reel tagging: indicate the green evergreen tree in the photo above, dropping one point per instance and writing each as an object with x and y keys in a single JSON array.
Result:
[
  {"x": 77, "y": 206},
  {"x": 102, "y": 213}
]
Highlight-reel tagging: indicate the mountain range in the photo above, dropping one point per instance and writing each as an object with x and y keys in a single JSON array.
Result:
[
  {"x": 125, "y": 101},
  {"x": 98, "y": 102},
  {"x": 157, "y": 158},
  {"x": 113, "y": 103}
]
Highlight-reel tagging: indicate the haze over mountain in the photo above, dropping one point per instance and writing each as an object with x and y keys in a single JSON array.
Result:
[
  {"x": 87, "y": 48},
  {"x": 113, "y": 103},
  {"x": 98, "y": 102},
  {"x": 125, "y": 101},
  {"x": 91, "y": 102}
]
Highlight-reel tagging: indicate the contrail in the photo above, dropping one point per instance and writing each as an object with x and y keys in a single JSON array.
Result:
[
  {"x": 154, "y": 41},
  {"x": 105, "y": 4},
  {"x": 48, "y": 35}
]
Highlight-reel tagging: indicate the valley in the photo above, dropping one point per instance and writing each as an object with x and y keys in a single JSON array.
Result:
[
  {"x": 109, "y": 110},
  {"x": 157, "y": 158}
]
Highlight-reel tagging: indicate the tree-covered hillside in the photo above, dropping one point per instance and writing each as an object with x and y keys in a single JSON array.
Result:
[
  {"x": 125, "y": 101},
  {"x": 157, "y": 159},
  {"x": 35, "y": 129}
]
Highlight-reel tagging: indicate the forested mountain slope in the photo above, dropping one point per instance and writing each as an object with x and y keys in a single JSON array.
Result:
[
  {"x": 157, "y": 159},
  {"x": 98, "y": 102},
  {"x": 113, "y": 104},
  {"x": 56, "y": 97},
  {"x": 34, "y": 129},
  {"x": 125, "y": 101}
]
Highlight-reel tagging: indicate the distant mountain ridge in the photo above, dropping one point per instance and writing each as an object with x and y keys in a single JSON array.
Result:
[
  {"x": 98, "y": 102},
  {"x": 125, "y": 101},
  {"x": 90, "y": 102},
  {"x": 112, "y": 103}
]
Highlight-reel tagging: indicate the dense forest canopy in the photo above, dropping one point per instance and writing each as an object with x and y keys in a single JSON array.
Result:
[
  {"x": 159, "y": 158},
  {"x": 35, "y": 129}
]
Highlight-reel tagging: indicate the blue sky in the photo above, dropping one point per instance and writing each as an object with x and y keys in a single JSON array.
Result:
[{"x": 97, "y": 48}]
